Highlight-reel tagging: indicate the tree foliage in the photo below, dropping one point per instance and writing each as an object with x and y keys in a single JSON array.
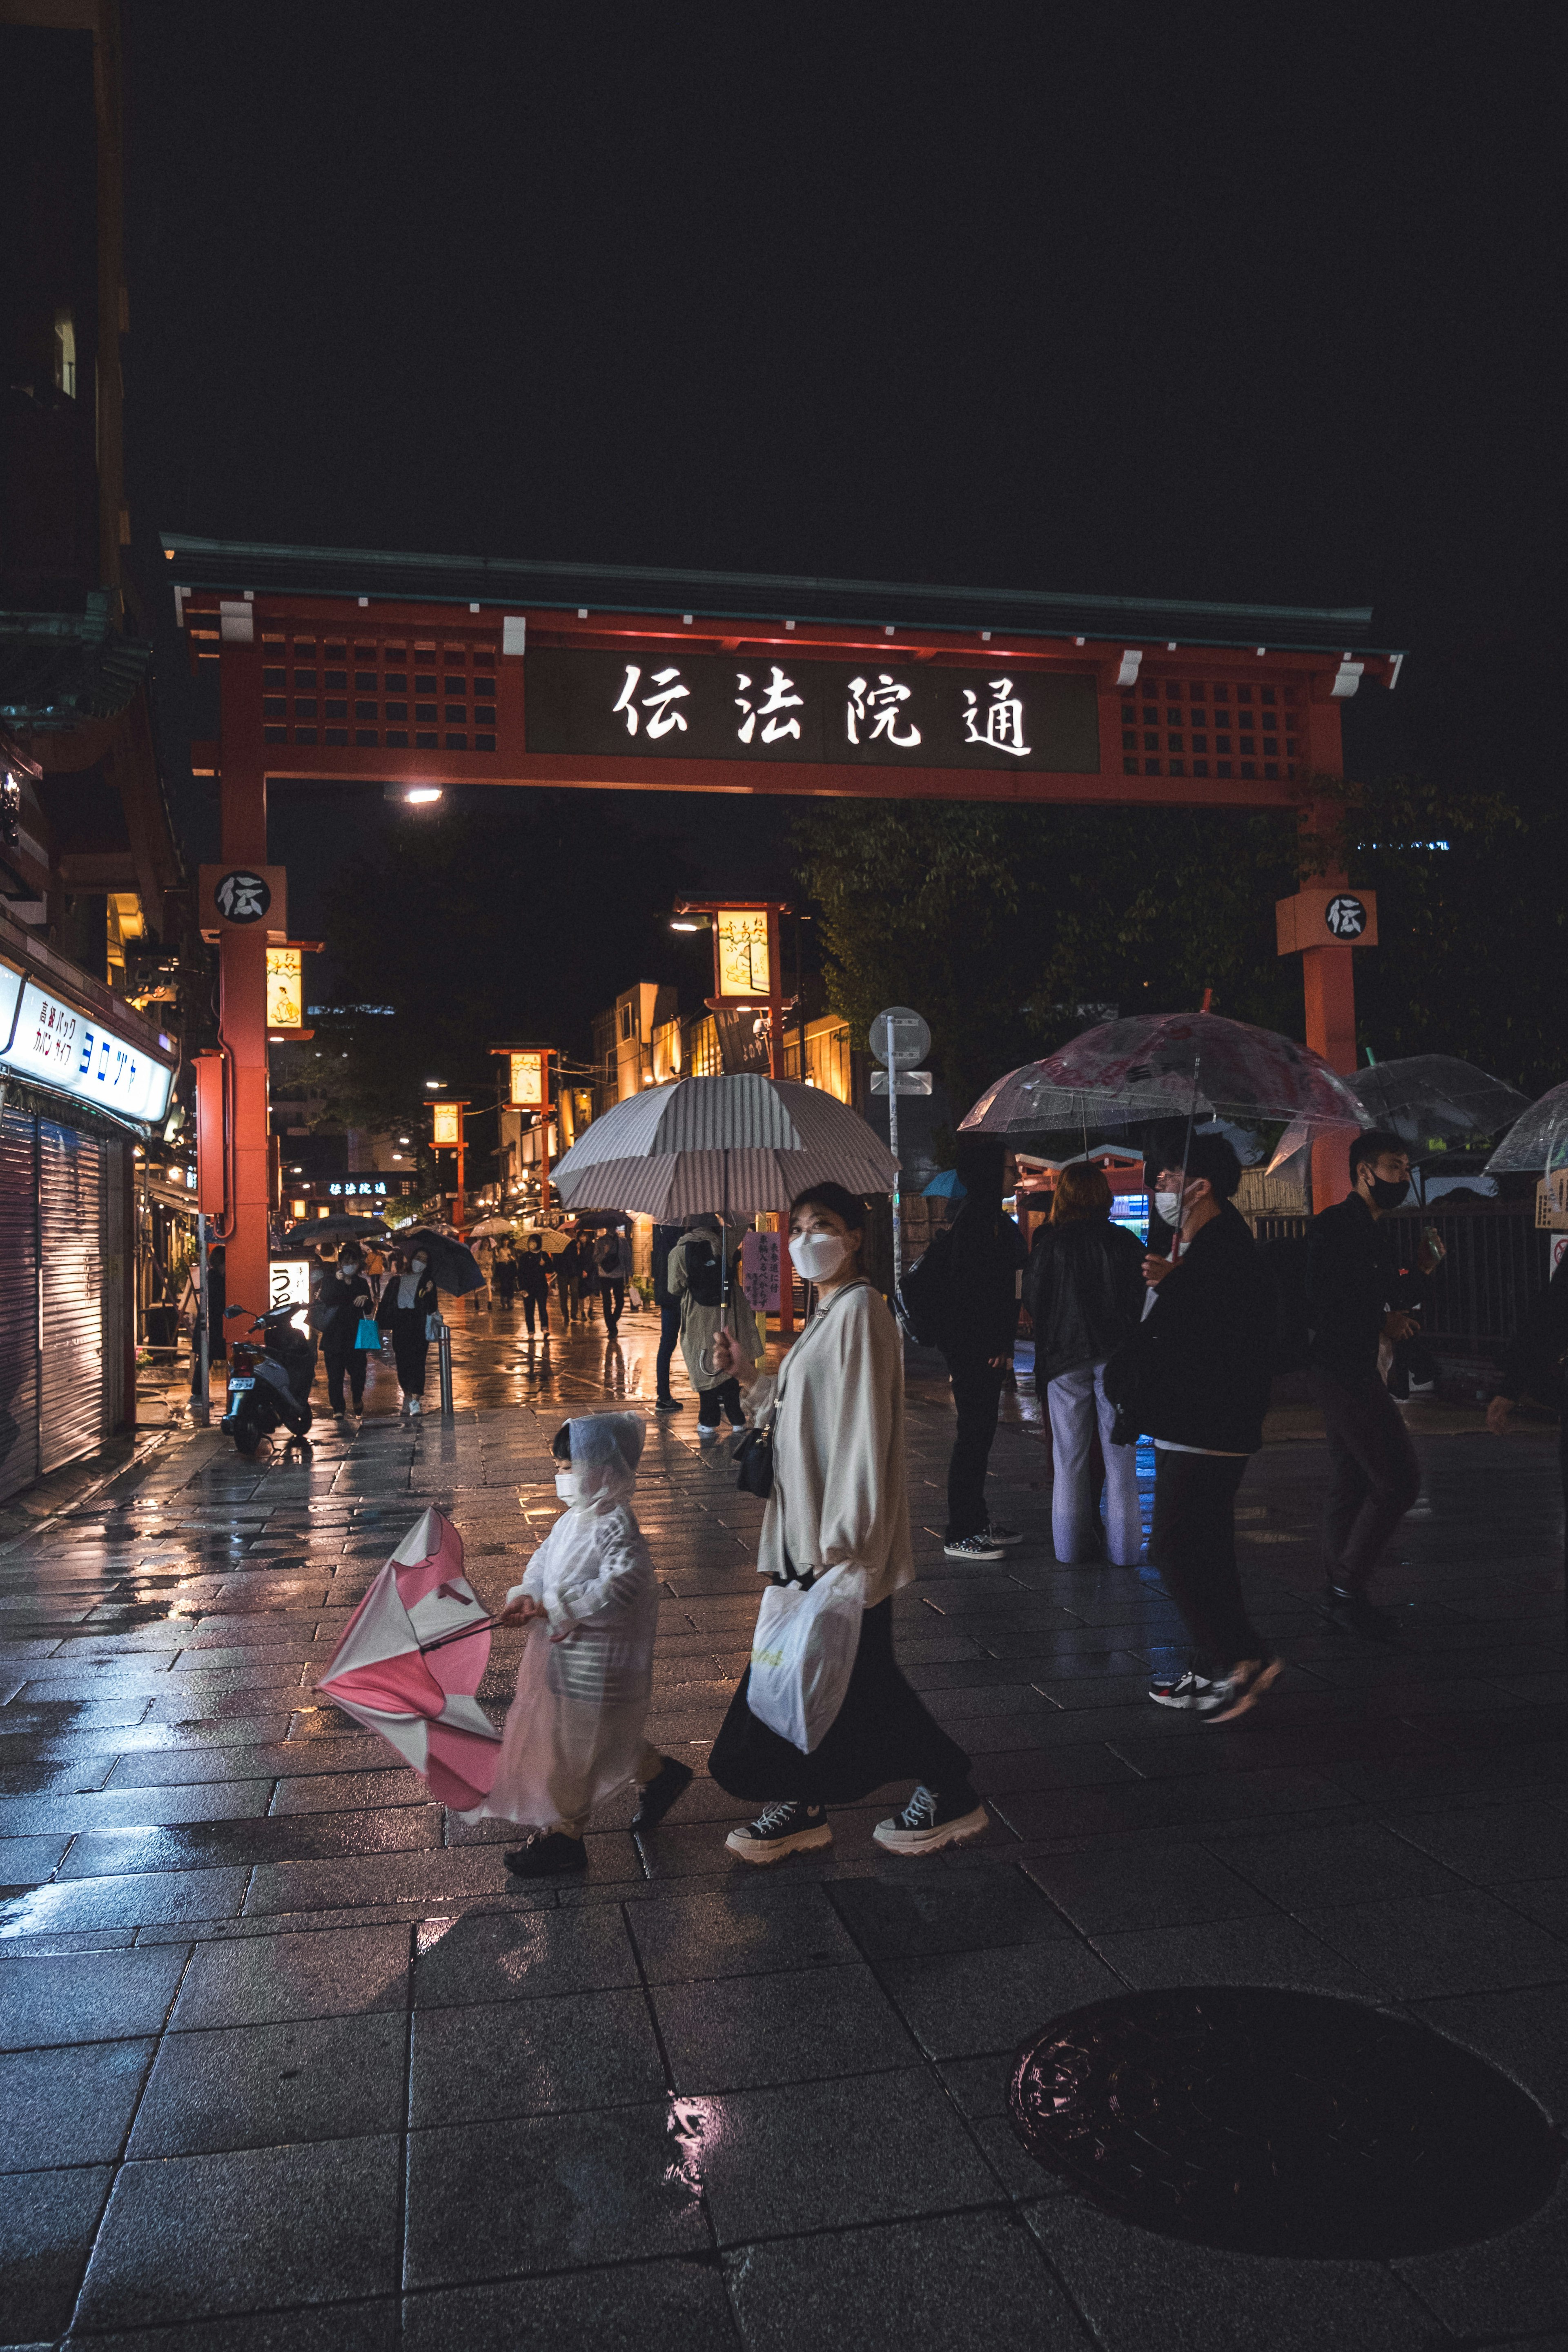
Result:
[{"x": 998, "y": 921}]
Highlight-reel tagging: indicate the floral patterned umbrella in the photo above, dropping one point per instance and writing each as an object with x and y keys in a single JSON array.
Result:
[{"x": 1167, "y": 1065}]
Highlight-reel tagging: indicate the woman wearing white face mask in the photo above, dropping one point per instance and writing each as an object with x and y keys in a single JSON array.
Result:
[
  {"x": 840, "y": 1498},
  {"x": 407, "y": 1306}
]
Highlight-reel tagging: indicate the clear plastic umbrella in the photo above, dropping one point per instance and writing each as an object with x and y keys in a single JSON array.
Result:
[
  {"x": 1435, "y": 1098},
  {"x": 1536, "y": 1143}
]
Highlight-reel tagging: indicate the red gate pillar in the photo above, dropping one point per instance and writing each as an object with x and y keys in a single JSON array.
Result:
[
  {"x": 1328, "y": 973},
  {"x": 243, "y": 987}
]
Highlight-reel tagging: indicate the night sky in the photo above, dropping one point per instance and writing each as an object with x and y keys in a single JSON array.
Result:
[{"x": 1252, "y": 304}]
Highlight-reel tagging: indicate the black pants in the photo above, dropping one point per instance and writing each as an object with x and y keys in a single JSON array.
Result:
[
  {"x": 726, "y": 1397},
  {"x": 339, "y": 1362},
  {"x": 882, "y": 1732},
  {"x": 668, "y": 1333},
  {"x": 1192, "y": 1545},
  {"x": 543, "y": 1302},
  {"x": 614, "y": 1294},
  {"x": 506, "y": 1285},
  {"x": 977, "y": 1394},
  {"x": 1373, "y": 1476},
  {"x": 410, "y": 1350}
]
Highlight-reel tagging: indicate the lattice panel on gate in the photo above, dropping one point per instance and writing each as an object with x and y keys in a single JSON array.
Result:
[
  {"x": 1189, "y": 727},
  {"x": 400, "y": 693}
]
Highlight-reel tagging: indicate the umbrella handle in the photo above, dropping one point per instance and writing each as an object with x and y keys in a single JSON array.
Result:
[
  {"x": 458, "y": 1633},
  {"x": 1186, "y": 1155}
]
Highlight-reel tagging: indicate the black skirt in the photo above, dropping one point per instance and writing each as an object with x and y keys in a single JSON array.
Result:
[{"x": 881, "y": 1733}]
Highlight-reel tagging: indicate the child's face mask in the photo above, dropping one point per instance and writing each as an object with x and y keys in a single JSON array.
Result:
[{"x": 571, "y": 1485}]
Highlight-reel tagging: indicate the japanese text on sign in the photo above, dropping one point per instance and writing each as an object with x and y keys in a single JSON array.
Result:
[
  {"x": 761, "y": 1258},
  {"x": 63, "y": 1049}
]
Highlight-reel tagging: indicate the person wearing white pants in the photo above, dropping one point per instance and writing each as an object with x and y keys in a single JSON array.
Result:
[
  {"x": 1077, "y": 1401},
  {"x": 1084, "y": 1290}
]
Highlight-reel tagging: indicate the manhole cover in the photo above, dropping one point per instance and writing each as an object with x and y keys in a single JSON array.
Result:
[{"x": 1281, "y": 2123}]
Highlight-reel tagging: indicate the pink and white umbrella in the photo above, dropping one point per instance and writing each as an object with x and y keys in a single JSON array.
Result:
[
  {"x": 1170, "y": 1064},
  {"x": 410, "y": 1661}
]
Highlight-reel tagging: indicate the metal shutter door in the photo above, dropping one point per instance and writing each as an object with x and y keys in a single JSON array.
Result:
[
  {"x": 70, "y": 1217},
  {"x": 18, "y": 1304}
]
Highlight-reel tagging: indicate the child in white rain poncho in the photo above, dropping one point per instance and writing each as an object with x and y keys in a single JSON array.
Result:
[{"x": 574, "y": 1733}]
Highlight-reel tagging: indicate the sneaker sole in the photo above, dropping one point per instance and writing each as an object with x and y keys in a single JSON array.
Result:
[
  {"x": 993, "y": 1551},
  {"x": 1249, "y": 1697},
  {"x": 1008, "y": 1543},
  {"x": 1180, "y": 1706},
  {"x": 776, "y": 1850},
  {"x": 899, "y": 1841}
]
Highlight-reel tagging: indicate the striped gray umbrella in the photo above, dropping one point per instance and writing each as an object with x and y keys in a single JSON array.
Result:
[{"x": 740, "y": 1142}]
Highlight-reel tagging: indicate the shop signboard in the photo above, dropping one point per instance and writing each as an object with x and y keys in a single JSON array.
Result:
[
  {"x": 285, "y": 988},
  {"x": 289, "y": 1282},
  {"x": 61, "y": 1048},
  {"x": 448, "y": 1124},
  {"x": 527, "y": 1082},
  {"x": 741, "y": 951},
  {"x": 882, "y": 712}
]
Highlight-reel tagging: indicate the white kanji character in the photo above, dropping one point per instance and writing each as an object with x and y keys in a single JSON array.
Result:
[
  {"x": 241, "y": 898},
  {"x": 780, "y": 696},
  {"x": 663, "y": 718},
  {"x": 879, "y": 703},
  {"x": 1003, "y": 729}
]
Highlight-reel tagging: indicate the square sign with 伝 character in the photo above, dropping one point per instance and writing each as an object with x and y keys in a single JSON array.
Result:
[{"x": 240, "y": 898}]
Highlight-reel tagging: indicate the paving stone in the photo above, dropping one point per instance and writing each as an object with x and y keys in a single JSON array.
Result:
[
  {"x": 144, "y": 1898},
  {"x": 69, "y": 2106},
  {"x": 189, "y": 2237},
  {"x": 336, "y": 2327},
  {"x": 86, "y": 1996},
  {"x": 260, "y": 2086},
  {"x": 339, "y": 1972},
  {"x": 991, "y": 1906},
  {"x": 967, "y": 2003},
  {"x": 1151, "y": 1886},
  {"x": 1464, "y": 1942},
  {"x": 676, "y": 2306},
  {"x": 534, "y": 2057},
  {"x": 742, "y": 2031},
  {"x": 46, "y": 2225},
  {"x": 746, "y": 1926},
  {"x": 546, "y": 2193},
  {"x": 519, "y": 1956}
]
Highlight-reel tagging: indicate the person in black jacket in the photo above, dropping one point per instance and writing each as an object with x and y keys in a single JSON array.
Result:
[
  {"x": 341, "y": 1297},
  {"x": 1535, "y": 1366},
  {"x": 407, "y": 1306},
  {"x": 664, "y": 1240},
  {"x": 533, "y": 1281},
  {"x": 1084, "y": 1290},
  {"x": 984, "y": 1285},
  {"x": 1352, "y": 1282},
  {"x": 1195, "y": 1377}
]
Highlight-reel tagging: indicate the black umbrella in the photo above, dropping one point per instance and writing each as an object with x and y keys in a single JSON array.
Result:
[
  {"x": 338, "y": 1227},
  {"x": 453, "y": 1265}
]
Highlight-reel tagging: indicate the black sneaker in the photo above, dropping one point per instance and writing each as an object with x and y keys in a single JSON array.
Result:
[
  {"x": 1182, "y": 1687},
  {"x": 1352, "y": 1612},
  {"x": 793, "y": 1828},
  {"x": 668, "y": 1404},
  {"x": 981, "y": 1547},
  {"x": 930, "y": 1820},
  {"x": 550, "y": 1854},
  {"x": 998, "y": 1533},
  {"x": 668, "y": 1784}
]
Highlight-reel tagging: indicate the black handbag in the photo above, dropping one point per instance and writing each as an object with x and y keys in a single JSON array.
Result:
[{"x": 753, "y": 1454}]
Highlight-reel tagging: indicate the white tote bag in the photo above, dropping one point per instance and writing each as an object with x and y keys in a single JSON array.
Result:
[{"x": 803, "y": 1654}]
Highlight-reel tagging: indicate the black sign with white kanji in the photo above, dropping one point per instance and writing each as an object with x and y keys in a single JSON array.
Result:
[
  {"x": 1345, "y": 916},
  {"x": 885, "y": 713},
  {"x": 242, "y": 897}
]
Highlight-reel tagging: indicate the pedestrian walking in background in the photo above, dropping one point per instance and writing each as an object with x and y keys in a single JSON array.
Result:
[
  {"x": 341, "y": 1299},
  {"x": 1195, "y": 1376},
  {"x": 839, "y": 1498},
  {"x": 1085, "y": 1292},
  {"x": 484, "y": 1259},
  {"x": 533, "y": 1281},
  {"x": 611, "y": 1279},
  {"x": 375, "y": 1266},
  {"x": 408, "y": 1309},
  {"x": 506, "y": 1275},
  {"x": 982, "y": 1288},
  {"x": 665, "y": 1238},
  {"x": 1352, "y": 1284},
  {"x": 695, "y": 1276},
  {"x": 1536, "y": 1366},
  {"x": 565, "y": 1272},
  {"x": 573, "y": 1735}
]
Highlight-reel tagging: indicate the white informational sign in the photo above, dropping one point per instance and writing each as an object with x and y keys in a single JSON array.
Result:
[
  {"x": 899, "y": 1037},
  {"x": 911, "y": 1082},
  {"x": 289, "y": 1282},
  {"x": 10, "y": 990},
  {"x": 761, "y": 1256},
  {"x": 52, "y": 1042}
]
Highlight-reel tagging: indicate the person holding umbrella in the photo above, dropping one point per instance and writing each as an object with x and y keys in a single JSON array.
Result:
[
  {"x": 983, "y": 1287},
  {"x": 839, "y": 1498},
  {"x": 409, "y": 1309},
  {"x": 1195, "y": 1376},
  {"x": 710, "y": 1304},
  {"x": 505, "y": 1273},
  {"x": 343, "y": 1298}
]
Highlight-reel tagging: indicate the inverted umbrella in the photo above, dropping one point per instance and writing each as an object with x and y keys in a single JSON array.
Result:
[
  {"x": 740, "y": 1141},
  {"x": 1538, "y": 1139},
  {"x": 453, "y": 1265},
  {"x": 410, "y": 1661}
]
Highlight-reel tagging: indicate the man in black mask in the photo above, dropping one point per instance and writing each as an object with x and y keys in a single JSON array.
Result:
[{"x": 1352, "y": 1281}]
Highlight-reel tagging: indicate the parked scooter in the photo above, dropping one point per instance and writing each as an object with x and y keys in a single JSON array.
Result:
[{"x": 269, "y": 1380}]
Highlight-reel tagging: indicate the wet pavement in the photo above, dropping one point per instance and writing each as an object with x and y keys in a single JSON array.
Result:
[{"x": 288, "y": 2061}]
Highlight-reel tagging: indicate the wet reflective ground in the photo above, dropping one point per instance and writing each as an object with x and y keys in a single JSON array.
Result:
[{"x": 288, "y": 2061}]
